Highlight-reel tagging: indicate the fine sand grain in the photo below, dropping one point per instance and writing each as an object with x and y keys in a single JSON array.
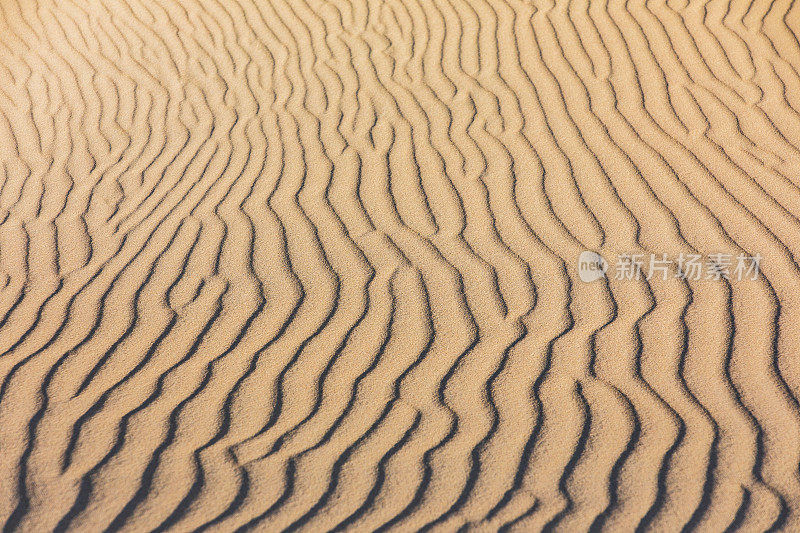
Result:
[{"x": 313, "y": 265}]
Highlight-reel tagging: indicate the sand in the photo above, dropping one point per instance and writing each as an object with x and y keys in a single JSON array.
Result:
[{"x": 314, "y": 265}]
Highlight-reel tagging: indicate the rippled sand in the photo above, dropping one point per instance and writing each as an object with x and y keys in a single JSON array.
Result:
[{"x": 313, "y": 264}]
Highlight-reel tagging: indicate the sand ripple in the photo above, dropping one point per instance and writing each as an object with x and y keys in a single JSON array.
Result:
[{"x": 312, "y": 264}]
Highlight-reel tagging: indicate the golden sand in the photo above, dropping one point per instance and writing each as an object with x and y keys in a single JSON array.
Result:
[{"x": 313, "y": 265}]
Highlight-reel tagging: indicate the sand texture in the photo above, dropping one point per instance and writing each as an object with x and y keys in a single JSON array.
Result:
[{"x": 314, "y": 265}]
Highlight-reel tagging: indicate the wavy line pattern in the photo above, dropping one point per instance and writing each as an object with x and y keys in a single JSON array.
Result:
[{"x": 311, "y": 265}]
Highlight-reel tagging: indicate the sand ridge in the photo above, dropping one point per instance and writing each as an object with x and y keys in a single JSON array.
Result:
[{"x": 313, "y": 265}]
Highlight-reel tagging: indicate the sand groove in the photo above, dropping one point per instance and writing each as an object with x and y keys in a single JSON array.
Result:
[{"x": 312, "y": 265}]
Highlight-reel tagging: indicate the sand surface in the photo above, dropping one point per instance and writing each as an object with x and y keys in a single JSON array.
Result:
[{"x": 314, "y": 265}]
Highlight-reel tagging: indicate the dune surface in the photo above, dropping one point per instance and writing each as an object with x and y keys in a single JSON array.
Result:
[{"x": 316, "y": 265}]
